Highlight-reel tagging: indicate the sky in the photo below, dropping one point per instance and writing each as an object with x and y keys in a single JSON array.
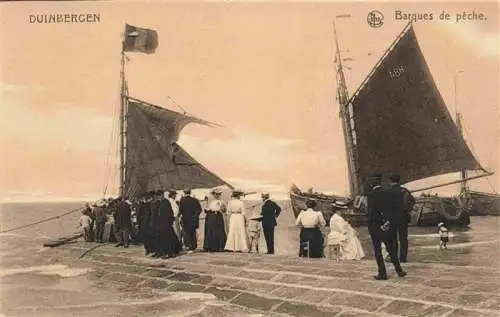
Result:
[{"x": 262, "y": 70}]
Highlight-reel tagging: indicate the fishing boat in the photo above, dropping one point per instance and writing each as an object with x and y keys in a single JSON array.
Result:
[
  {"x": 396, "y": 122},
  {"x": 150, "y": 157}
]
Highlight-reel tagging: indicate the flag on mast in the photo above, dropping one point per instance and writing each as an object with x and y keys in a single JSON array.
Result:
[{"x": 139, "y": 40}]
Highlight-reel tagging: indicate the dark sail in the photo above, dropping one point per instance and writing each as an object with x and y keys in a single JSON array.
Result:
[
  {"x": 154, "y": 160},
  {"x": 401, "y": 122}
]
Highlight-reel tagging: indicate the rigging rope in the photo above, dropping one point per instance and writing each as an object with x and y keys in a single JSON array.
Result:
[
  {"x": 178, "y": 105},
  {"x": 42, "y": 221}
]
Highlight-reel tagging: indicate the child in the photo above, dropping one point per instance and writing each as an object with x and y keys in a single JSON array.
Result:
[
  {"x": 254, "y": 231},
  {"x": 84, "y": 224},
  {"x": 443, "y": 235}
]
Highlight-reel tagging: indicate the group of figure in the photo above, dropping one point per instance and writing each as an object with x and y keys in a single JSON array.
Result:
[
  {"x": 388, "y": 216},
  {"x": 164, "y": 225},
  {"x": 341, "y": 236},
  {"x": 227, "y": 227}
]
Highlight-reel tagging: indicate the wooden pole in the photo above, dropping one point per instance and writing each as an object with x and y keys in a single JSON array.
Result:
[{"x": 451, "y": 183}]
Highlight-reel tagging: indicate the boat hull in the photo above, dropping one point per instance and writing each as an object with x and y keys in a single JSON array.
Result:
[{"x": 428, "y": 211}]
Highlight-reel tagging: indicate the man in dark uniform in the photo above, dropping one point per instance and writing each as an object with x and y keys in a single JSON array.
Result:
[
  {"x": 270, "y": 211},
  {"x": 380, "y": 226},
  {"x": 100, "y": 221},
  {"x": 402, "y": 202},
  {"x": 189, "y": 210},
  {"x": 123, "y": 223}
]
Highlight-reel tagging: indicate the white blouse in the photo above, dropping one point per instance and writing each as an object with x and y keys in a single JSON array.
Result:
[
  {"x": 235, "y": 206},
  {"x": 309, "y": 219}
]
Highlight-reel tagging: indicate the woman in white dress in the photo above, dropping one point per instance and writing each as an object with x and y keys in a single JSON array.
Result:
[
  {"x": 343, "y": 234},
  {"x": 237, "y": 239}
]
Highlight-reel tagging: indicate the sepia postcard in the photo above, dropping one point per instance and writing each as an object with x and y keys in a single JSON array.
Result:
[{"x": 249, "y": 158}]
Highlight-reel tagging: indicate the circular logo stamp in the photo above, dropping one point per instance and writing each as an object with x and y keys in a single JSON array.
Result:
[{"x": 375, "y": 19}]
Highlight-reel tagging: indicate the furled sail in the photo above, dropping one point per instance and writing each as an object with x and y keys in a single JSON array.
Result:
[
  {"x": 154, "y": 160},
  {"x": 401, "y": 122}
]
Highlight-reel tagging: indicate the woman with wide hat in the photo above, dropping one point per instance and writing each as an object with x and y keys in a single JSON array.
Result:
[
  {"x": 215, "y": 233},
  {"x": 237, "y": 239},
  {"x": 311, "y": 238}
]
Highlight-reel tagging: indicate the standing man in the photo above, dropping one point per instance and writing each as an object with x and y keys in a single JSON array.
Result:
[
  {"x": 270, "y": 211},
  {"x": 189, "y": 210},
  {"x": 123, "y": 223},
  {"x": 402, "y": 202},
  {"x": 100, "y": 221},
  {"x": 381, "y": 226}
]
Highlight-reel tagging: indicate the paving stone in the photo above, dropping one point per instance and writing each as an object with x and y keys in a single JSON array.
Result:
[
  {"x": 222, "y": 282},
  {"x": 313, "y": 296},
  {"x": 185, "y": 287},
  {"x": 413, "y": 309},
  {"x": 442, "y": 283},
  {"x": 299, "y": 279},
  {"x": 155, "y": 283},
  {"x": 257, "y": 275},
  {"x": 255, "y": 302},
  {"x": 221, "y": 294},
  {"x": 221, "y": 270},
  {"x": 355, "y": 314},
  {"x": 254, "y": 286},
  {"x": 287, "y": 292},
  {"x": 305, "y": 310},
  {"x": 183, "y": 277},
  {"x": 238, "y": 264},
  {"x": 484, "y": 287},
  {"x": 160, "y": 273},
  {"x": 470, "y": 313},
  {"x": 353, "y": 300},
  {"x": 473, "y": 298},
  {"x": 204, "y": 279}
]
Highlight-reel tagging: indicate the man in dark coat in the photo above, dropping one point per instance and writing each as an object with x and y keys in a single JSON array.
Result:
[
  {"x": 100, "y": 221},
  {"x": 123, "y": 223},
  {"x": 401, "y": 204},
  {"x": 143, "y": 218},
  {"x": 381, "y": 221},
  {"x": 270, "y": 211},
  {"x": 189, "y": 210}
]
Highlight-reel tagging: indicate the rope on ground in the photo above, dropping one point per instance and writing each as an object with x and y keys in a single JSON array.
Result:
[
  {"x": 42, "y": 221},
  {"x": 88, "y": 250}
]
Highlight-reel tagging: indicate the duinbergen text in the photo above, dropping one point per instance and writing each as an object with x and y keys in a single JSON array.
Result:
[{"x": 65, "y": 18}]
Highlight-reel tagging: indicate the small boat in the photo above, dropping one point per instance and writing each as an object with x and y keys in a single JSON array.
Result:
[{"x": 396, "y": 122}]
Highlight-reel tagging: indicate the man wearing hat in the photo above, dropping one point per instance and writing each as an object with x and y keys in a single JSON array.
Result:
[
  {"x": 270, "y": 211},
  {"x": 189, "y": 210},
  {"x": 100, "y": 221},
  {"x": 381, "y": 224}
]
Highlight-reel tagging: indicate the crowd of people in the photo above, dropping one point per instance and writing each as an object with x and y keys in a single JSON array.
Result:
[{"x": 165, "y": 225}]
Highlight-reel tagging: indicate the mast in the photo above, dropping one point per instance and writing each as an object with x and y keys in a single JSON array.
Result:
[
  {"x": 123, "y": 101},
  {"x": 346, "y": 116},
  {"x": 464, "y": 187}
]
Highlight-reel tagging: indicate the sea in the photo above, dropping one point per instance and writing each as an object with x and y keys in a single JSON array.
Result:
[{"x": 35, "y": 283}]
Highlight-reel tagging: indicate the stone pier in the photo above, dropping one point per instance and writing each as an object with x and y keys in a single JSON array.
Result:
[{"x": 265, "y": 285}]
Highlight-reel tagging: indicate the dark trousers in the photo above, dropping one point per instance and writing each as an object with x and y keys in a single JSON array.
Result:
[
  {"x": 269, "y": 236},
  {"x": 99, "y": 231},
  {"x": 87, "y": 234},
  {"x": 122, "y": 236},
  {"x": 390, "y": 240},
  {"x": 403, "y": 242},
  {"x": 189, "y": 236}
]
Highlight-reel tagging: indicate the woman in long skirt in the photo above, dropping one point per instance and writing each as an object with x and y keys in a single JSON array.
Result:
[
  {"x": 215, "y": 233},
  {"x": 346, "y": 237},
  {"x": 237, "y": 239},
  {"x": 311, "y": 238}
]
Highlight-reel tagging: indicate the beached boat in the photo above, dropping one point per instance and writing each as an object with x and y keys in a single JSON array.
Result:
[{"x": 396, "y": 122}]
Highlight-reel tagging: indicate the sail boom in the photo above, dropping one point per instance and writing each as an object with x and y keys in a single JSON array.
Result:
[{"x": 452, "y": 183}]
